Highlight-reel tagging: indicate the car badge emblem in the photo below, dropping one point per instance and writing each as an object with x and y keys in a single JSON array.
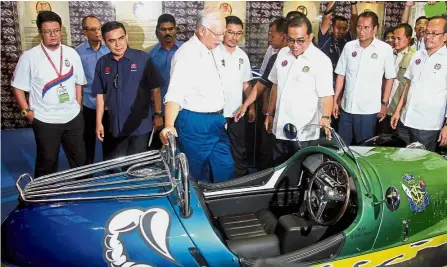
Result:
[
  {"x": 374, "y": 55},
  {"x": 107, "y": 70},
  {"x": 284, "y": 63},
  {"x": 306, "y": 69},
  {"x": 437, "y": 66},
  {"x": 354, "y": 54},
  {"x": 416, "y": 191},
  {"x": 67, "y": 63},
  {"x": 418, "y": 61}
]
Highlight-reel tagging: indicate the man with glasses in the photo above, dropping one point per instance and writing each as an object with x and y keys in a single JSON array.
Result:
[
  {"x": 90, "y": 51},
  {"x": 195, "y": 101},
  {"x": 363, "y": 63},
  {"x": 421, "y": 113},
  {"x": 52, "y": 73},
  {"x": 127, "y": 82},
  {"x": 162, "y": 55},
  {"x": 302, "y": 89},
  {"x": 236, "y": 74}
]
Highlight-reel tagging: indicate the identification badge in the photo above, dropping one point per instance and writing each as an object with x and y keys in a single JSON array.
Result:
[{"x": 63, "y": 95}]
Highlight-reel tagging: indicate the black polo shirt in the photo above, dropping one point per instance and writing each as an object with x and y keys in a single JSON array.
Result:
[
  {"x": 265, "y": 76},
  {"x": 127, "y": 86},
  {"x": 332, "y": 47}
]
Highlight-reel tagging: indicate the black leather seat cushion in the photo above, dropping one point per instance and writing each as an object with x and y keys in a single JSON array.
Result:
[{"x": 251, "y": 235}]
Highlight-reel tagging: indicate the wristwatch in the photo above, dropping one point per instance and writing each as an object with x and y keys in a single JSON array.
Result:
[
  {"x": 158, "y": 114},
  {"x": 269, "y": 114},
  {"x": 25, "y": 112},
  {"x": 327, "y": 118},
  {"x": 385, "y": 103}
]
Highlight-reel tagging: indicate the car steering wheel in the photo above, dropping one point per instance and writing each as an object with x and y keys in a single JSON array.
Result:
[{"x": 329, "y": 183}]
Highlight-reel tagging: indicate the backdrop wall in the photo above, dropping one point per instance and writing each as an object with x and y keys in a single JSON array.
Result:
[{"x": 19, "y": 31}]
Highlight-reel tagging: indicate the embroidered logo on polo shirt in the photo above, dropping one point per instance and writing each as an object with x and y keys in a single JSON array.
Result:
[
  {"x": 418, "y": 61},
  {"x": 354, "y": 54},
  {"x": 223, "y": 62},
  {"x": 374, "y": 55},
  {"x": 67, "y": 63},
  {"x": 241, "y": 61},
  {"x": 107, "y": 70},
  {"x": 437, "y": 66},
  {"x": 306, "y": 69},
  {"x": 284, "y": 63},
  {"x": 133, "y": 67}
]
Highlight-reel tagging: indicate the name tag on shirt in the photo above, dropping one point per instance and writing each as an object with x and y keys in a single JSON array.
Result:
[{"x": 63, "y": 95}]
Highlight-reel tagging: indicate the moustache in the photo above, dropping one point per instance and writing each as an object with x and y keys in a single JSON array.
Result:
[{"x": 168, "y": 36}]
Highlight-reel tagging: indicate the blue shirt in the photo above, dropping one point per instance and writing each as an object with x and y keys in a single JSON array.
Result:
[
  {"x": 162, "y": 60},
  {"x": 89, "y": 57},
  {"x": 126, "y": 85}
]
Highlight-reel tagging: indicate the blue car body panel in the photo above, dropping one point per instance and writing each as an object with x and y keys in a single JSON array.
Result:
[{"x": 76, "y": 234}]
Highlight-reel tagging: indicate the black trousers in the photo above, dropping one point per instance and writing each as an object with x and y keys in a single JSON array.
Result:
[
  {"x": 49, "y": 138},
  {"x": 236, "y": 132},
  {"x": 285, "y": 149},
  {"x": 384, "y": 127},
  {"x": 90, "y": 135},
  {"x": 129, "y": 145},
  {"x": 410, "y": 135},
  {"x": 265, "y": 151}
]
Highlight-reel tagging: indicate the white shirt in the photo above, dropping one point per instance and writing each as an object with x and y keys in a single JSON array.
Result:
[
  {"x": 235, "y": 70},
  {"x": 397, "y": 59},
  {"x": 301, "y": 82},
  {"x": 195, "y": 83},
  {"x": 363, "y": 69},
  {"x": 418, "y": 44},
  {"x": 268, "y": 54},
  {"x": 35, "y": 74},
  {"x": 426, "y": 101}
]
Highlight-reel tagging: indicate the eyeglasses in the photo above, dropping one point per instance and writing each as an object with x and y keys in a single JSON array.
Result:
[
  {"x": 232, "y": 34},
  {"x": 427, "y": 33},
  {"x": 93, "y": 29},
  {"x": 53, "y": 31},
  {"x": 299, "y": 41},
  {"x": 115, "y": 81},
  {"x": 215, "y": 34}
]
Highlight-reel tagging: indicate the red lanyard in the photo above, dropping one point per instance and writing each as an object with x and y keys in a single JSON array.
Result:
[{"x": 59, "y": 73}]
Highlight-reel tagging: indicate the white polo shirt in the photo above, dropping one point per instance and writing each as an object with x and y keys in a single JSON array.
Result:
[
  {"x": 235, "y": 70},
  {"x": 364, "y": 69},
  {"x": 301, "y": 82},
  {"x": 35, "y": 74},
  {"x": 426, "y": 101},
  {"x": 195, "y": 83}
]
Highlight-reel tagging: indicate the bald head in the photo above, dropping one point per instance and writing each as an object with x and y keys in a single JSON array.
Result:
[
  {"x": 436, "y": 33},
  {"x": 210, "y": 27}
]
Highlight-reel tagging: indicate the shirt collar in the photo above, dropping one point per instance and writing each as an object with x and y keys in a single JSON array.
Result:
[
  {"x": 441, "y": 51},
  {"x": 199, "y": 45},
  {"x": 373, "y": 43},
  {"x": 307, "y": 53},
  {"x": 129, "y": 54},
  {"x": 158, "y": 47},
  {"x": 87, "y": 45},
  {"x": 403, "y": 52}
]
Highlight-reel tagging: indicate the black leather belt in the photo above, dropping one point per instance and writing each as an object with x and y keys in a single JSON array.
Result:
[{"x": 219, "y": 112}]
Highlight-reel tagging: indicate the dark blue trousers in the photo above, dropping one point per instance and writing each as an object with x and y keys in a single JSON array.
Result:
[
  {"x": 205, "y": 142},
  {"x": 356, "y": 126}
]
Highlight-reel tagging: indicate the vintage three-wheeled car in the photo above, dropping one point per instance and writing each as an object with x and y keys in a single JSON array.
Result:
[{"x": 328, "y": 205}]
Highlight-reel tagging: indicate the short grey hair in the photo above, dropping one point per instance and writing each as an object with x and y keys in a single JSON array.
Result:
[{"x": 208, "y": 17}]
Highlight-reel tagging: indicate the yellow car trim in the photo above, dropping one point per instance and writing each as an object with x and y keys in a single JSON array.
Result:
[{"x": 390, "y": 256}]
